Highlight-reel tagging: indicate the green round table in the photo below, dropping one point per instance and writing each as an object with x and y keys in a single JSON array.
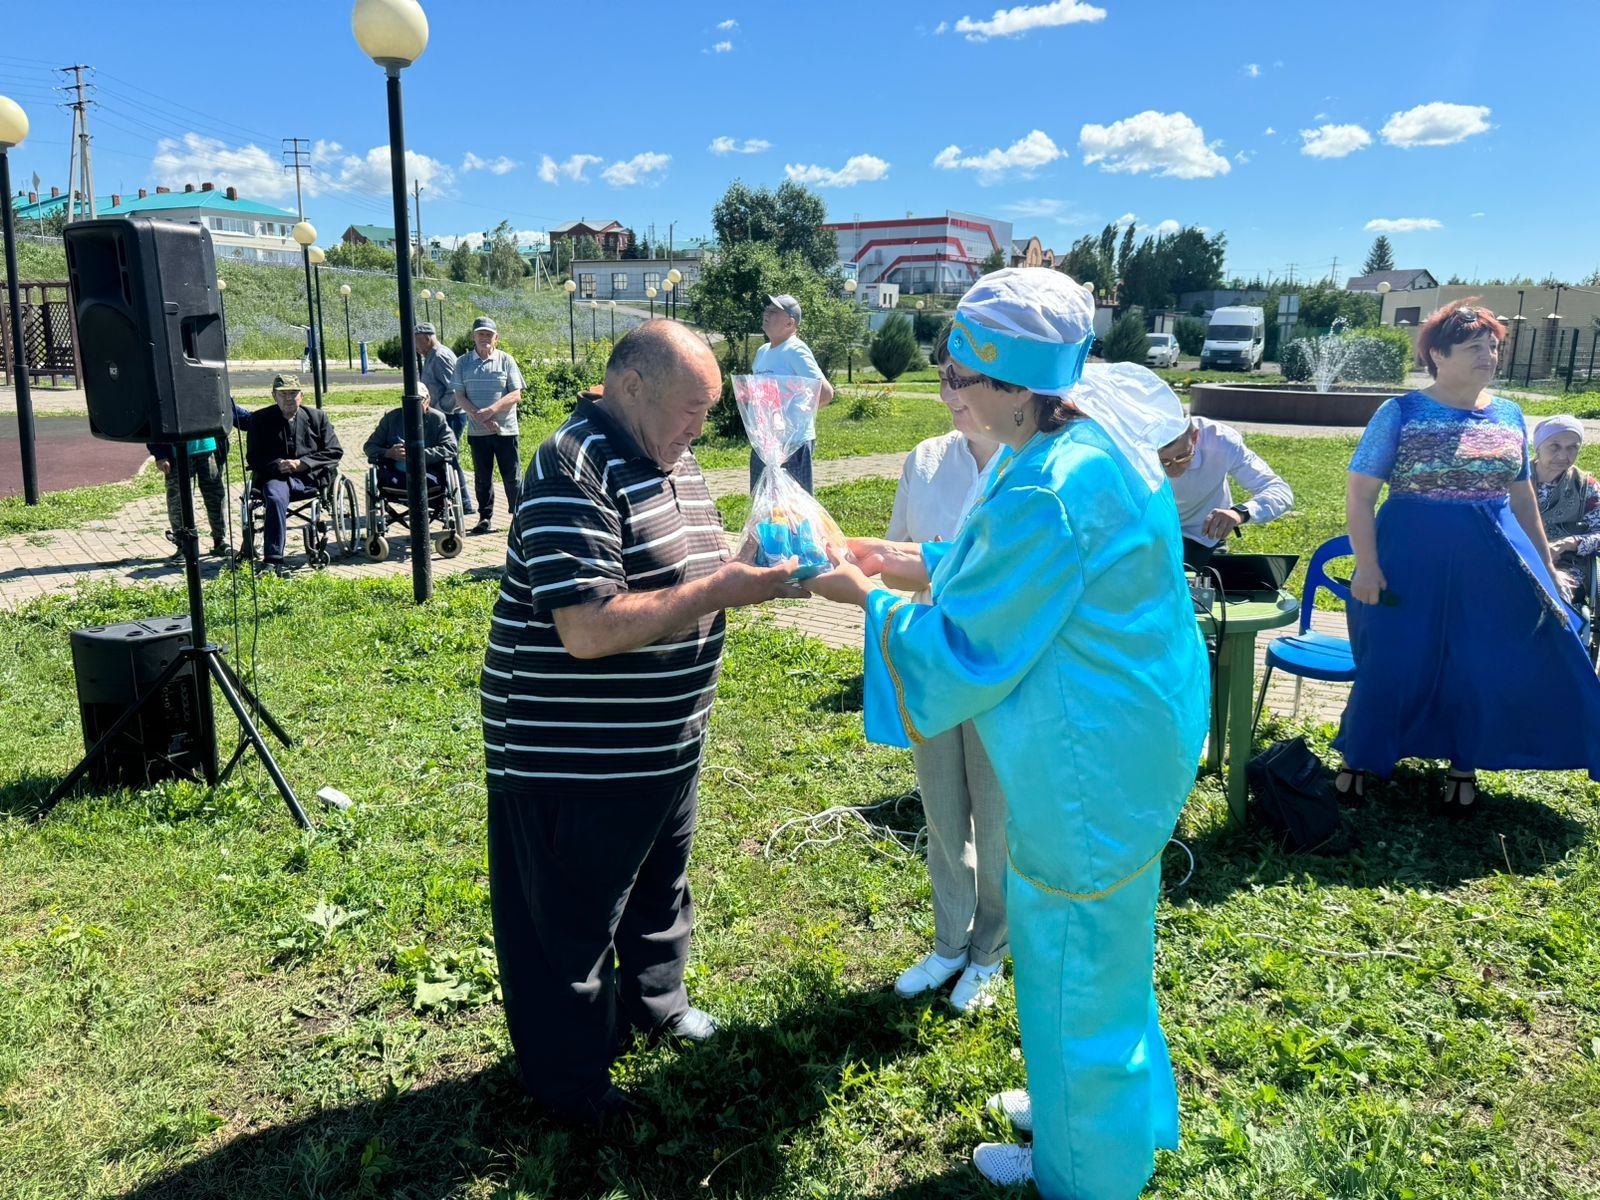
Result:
[{"x": 1236, "y": 682}]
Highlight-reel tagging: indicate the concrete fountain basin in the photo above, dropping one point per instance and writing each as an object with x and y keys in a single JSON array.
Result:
[{"x": 1287, "y": 403}]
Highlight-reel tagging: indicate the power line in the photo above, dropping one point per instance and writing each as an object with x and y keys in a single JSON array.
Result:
[{"x": 295, "y": 151}]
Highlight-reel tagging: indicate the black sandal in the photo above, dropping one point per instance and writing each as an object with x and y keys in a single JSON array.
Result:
[
  {"x": 1456, "y": 801},
  {"x": 1350, "y": 784}
]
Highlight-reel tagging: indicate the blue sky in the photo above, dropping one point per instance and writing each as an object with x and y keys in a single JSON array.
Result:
[{"x": 1466, "y": 138}]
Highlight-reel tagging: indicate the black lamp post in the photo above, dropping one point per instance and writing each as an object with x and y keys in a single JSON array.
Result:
[
  {"x": 305, "y": 233},
  {"x": 850, "y": 286},
  {"x": 572, "y": 321},
  {"x": 594, "y": 316},
  {"x": 674, "y": 278},
  {"x": 612, "y": 305},
  {"x": 349, "y": 346},
  {"x": 651, "y": 292},
  {"x": 439, "y": 296},
  {"x": 317, "y": 259},
  {"x": 394, "y": 33},
  {"x": 13, "y": 128}
]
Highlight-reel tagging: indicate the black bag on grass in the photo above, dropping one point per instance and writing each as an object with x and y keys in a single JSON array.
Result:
[{"x": 1295, "y": 798}]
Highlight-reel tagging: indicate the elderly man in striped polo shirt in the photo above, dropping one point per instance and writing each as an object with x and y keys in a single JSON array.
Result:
[{"x": 597, "y": 686}]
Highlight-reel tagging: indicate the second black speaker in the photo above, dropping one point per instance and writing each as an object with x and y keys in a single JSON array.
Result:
[{"x": 150, "y": 331}]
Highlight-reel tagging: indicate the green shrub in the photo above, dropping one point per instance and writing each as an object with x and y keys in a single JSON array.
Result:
[
  {"x": 894, "y": 350},
  {"x": 1128, "y": 340},
  {"x": 553, "y": 382},
  {"x": 1191, "y": 335},
  {"x": 389, "y": 351},
  {"x": 868, "y": 405},
  {"x": 723, "y": 421}
]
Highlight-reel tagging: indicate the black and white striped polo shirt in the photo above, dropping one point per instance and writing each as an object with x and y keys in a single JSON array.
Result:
[{"x": 598, "y": 517}]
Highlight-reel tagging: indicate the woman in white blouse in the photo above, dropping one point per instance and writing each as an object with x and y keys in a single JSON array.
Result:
[{"x": 961, "y": 798}]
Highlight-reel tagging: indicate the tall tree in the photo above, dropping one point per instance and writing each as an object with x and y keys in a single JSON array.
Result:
[
  {"x": 1380, "y": 257},
  {"x": 505, "y": 263},
  {"x": 631, "y": 250},
  {"x": 464, "y": 266},
  {"x": 790, "y": 219},
  {"x": 1126, "y": 250},
  {"x": 994, "y": 262}
]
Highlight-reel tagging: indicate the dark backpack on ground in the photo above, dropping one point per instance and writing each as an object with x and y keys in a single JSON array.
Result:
[{"x": 1295, "y": 798}]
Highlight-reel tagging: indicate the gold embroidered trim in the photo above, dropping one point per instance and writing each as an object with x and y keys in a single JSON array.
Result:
[
  {"x": 1100, "y": 895},
  {"x": 986, "y": 351},
  {"x": 899, "y": 688}
]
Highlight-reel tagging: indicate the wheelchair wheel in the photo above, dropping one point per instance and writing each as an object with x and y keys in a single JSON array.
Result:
[
  {"x": 449, "y": 544},
  {"x": 378, "y": 548},
  {"x": 346, "y": 518},
  {"x": 316, "y": 543}
]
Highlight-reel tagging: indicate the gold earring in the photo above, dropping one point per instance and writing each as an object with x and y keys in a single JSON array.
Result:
[{"x": 1016, "y": 416}]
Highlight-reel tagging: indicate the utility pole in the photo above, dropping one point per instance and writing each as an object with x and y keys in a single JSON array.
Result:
[
  {"x": 1333, "y": 273},
  {"x": 417, "y": 195},
  {"x": 80, "y": 131},
  {"x": 295, "y": 152}
]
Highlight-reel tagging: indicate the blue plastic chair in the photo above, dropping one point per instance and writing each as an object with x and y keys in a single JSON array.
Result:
[{"x": 1307, "y": 654}]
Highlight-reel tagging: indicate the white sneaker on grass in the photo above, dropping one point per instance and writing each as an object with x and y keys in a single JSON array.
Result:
[
  {"x": 976, "y": 988},
  {"x": 1015, "y": 1106},
  {"x": 930, "y": 971},
  {"x": 1004, "y": 1164}
]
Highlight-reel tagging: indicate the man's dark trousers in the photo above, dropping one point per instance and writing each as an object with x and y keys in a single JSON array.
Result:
[
  {"x": 488, "y": 451},
  {"x": 275, "y": 520},
  {"x": 589, "y": 888}
]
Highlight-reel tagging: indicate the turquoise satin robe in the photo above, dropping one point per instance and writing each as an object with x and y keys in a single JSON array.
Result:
[{"x": 1062, "y": 626}]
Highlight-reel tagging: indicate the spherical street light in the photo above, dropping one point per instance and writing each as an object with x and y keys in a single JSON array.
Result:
[
  {"x": 651, "y": 292},
  {"x": 344, "y": 289},
  {"x": 674, "y": 276},
  {"x": 425, "y": 294},
  {"x": 393, "y": 33},
  {"x": 305, "y": 233},
  {"x": 570, "y": 286},
  {"x": 222, "y": 285},
  {"x": 850, "y": 286},
  {"x": 13, "y": 128}
]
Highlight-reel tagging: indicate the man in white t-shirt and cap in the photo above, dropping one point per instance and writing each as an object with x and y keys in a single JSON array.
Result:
[{"x": 786, "y": 354}]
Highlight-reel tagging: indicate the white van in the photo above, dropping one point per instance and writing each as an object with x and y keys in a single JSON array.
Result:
[{"x": 1236, "y": 340}]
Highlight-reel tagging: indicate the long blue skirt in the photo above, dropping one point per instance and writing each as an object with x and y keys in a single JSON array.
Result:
[
  {"x": 1099, "y": 1076},
  {"x": 1478, "y": 660}
]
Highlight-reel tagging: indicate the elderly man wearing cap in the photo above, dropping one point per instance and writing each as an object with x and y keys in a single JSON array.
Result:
[
  {"x": 786, "y": 354},
  {"x": 1569, "y": 501},
  {"x": 1061, "y": 625},
  {"x": 488, "y": 386},
  {"x": 291, "y": 450},
  {"x": 438, "y": 370}
]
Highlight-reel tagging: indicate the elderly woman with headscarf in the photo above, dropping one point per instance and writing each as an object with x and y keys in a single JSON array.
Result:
[
  {"x": 1061, "y": 625},
  {"x": 1464, "y": 648},
  {"x": 1569, "y": 501}
]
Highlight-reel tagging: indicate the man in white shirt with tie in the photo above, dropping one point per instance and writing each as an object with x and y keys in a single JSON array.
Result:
[{"x": 1199, "y": 464}]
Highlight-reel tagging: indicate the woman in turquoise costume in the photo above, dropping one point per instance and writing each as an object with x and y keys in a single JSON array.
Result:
[{"x": 1061, "y": 625}]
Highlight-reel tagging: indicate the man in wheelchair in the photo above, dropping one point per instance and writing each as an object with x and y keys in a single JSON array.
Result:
[
  {"x": 1569, "y": 507},
  {"x": 293, "y": 454},
  {"x": 387, "y": 498}
]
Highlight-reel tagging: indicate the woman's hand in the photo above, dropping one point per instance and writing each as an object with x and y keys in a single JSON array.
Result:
[
  {"x": 1562, "y": 546},
  {"x": 899, "y": 563},
  {"x": 845, "y": 584},
  {"x": 1368, "y": 585}
]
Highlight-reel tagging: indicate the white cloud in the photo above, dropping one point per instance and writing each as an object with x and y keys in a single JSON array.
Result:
[
  {"x": 1402, "y": 225},
  {"x": 1023, "y": 155},
  {"x": 1036, "y": 208},
  {"x": 1125, "y": 220},
  {"x": 1170, "y": 143},
  {"x": 1253, "y": 70},
  {"x": 1480, "y": 214},
  {"x": 727, "y": 145},
  {"x": 722, "y": 47},
  {"x": 859, "y": 168},
  {"x": 1243, "y": 156},
  {"x": 1167, "y": 228},
  {"x": 1014, "y": 22},
  {"x": 1269, "y": 131},
  {"x": 636, "y": 169},
  {"x": 573, "y": 168},
  {"x": 730, "y": 23},
  {"x": 942, "y": 27},
  {"x": 496, "y": 166},
  {"x": 1334, "y": 141},
  {"x": 1436, "y": 124},
  {"x": 258, "y": 174}
]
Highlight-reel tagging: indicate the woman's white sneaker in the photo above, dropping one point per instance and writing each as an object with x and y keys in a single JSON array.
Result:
[
  {"x": 929, "y": 972},
  {"x": 1004, "y": 1164},
  {"x": 1015, "y": 1106},
  {"x": 976, "y": 988}
]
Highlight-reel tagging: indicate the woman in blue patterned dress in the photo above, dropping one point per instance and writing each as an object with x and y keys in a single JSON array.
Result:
[{"x": 1464, "y": 648}]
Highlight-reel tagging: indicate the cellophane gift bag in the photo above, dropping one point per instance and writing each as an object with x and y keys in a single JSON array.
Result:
[{"x": 779, "y": 413}]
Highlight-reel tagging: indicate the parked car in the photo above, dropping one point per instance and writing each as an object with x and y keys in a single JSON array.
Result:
[{"x": 1163, "y": 351}]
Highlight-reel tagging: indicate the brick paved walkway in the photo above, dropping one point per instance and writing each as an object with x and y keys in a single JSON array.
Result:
[{"x": 131, "y": 548}]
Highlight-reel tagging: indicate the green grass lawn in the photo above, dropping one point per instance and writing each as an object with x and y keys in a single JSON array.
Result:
[
  {"x": 72, "y": 507},
  {"x": 202, "y": 1001}
]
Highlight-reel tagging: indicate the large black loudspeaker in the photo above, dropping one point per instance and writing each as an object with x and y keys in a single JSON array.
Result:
[
  {"x": 117, "y": 664},
  {"x": 150, "y": 332}
]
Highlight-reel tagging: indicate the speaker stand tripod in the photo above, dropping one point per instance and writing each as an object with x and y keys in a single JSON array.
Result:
[{"x": 209, "y": 667}]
